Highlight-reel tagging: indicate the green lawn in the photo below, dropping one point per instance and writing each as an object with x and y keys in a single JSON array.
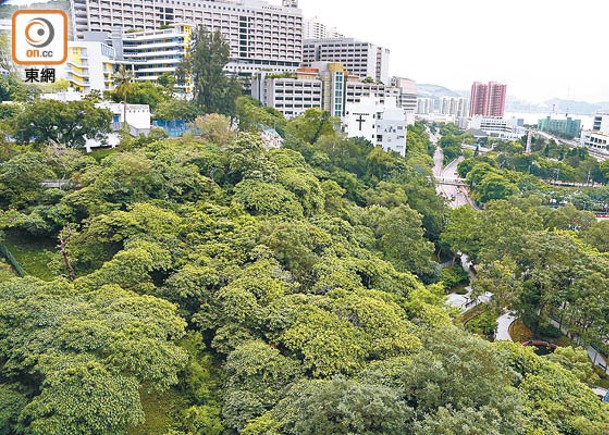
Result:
[{"x": 32, "y": 254}]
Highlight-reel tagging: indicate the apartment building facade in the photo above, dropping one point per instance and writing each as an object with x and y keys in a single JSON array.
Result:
[
  {"x": 425, "y": 106},
  {"x": 328, "y": 86},
  {"x": 262, "y": 36},
  {"x": 315, "y": 29},
  {"x": 291, "y": 96},
  {"x": 453, "y": 106},
  {"x": 598, "y": 137},
  {"x": 90, "y": 66},
  {"x": 408, "y": 93},
  {"x": 487, "y": 99},
  {"x": 381, "y": 122},
  {"x": 360, "y": 58},
  {"x": 152, "y": 53},
  {"x": 565, "y": 126}
]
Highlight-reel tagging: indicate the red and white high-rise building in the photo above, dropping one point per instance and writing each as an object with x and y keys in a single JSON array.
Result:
[{"x": 487, "y": 99}]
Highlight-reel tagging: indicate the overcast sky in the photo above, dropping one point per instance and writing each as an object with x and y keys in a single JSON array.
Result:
[{"x": 540, "y": 48}]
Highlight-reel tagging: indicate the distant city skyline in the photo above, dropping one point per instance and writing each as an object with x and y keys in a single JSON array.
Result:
[{"x": 538, "y": 48}]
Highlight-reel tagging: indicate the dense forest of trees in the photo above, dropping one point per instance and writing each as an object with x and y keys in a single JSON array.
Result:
[
  {"x": 207, "y": 285},
  {"x": 508, "y": 170}
]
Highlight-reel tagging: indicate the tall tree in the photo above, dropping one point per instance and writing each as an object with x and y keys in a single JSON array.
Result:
[
  {"x": 61, "y": 124},
  {"x": 123, "y": 79},
  {"x": 5, "y": 54},
  {"x": 213, "y": 91}
]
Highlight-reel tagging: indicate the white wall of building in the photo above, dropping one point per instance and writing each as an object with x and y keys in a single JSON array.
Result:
[
  {"x": 260, "y": 34},
  {"x": 69, "y": 95},
  {"x": 290, "y": 96},
  {"x": 497, "y": 127},
  {"x": 361, "y": 118},
  {"x": 598, "y": 137},
  {"x": 152, "y": 53},
  {"x": 315, "y": 29},
  {"x": 382, "y": 123},
  {"x": 138, "y": 115},
  {"x": 89, "y": 66},
  {"x": 362, "y": 59}
]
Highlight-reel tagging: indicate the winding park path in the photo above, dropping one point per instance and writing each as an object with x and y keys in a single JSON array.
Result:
[
  {"x": 593, "y": 354},
  {"x": 503, "y": 334},
  {"x": 503, "y": 326}
]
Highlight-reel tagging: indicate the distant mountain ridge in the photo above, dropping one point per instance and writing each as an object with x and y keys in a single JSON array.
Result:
[
  {"x": 558, "y": 105},
  {"x": 435, "y": 91}
]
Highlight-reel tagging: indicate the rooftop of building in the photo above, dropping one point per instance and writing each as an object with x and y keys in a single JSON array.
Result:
[
  {"x": 336, "y": 41},
  {"x": 558, "y": 117}
]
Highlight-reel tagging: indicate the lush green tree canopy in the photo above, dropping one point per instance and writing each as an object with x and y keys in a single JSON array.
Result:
[
  {"x": 61, "y": 124},
  {"x": 209, "y": 285}
]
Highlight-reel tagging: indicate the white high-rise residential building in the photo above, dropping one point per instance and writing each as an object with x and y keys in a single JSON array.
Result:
[
  {"x": 453, "y": 106},
  {"x": 382, "y": 123},
  {"x": 90, "y": 66},
  {"x": 408, "y": 93},
  {"x": 598, "y": 137},
  {"x": 312, "y": 28},
  {"x": 462, "y": 107},
  {"x": 151, "y": 53},
  {"x": 362, "y": 59},
  {"x": 262, "y": 36},
  {"x": 292, "y": 96},
  {"x": 425, "y": 106}
]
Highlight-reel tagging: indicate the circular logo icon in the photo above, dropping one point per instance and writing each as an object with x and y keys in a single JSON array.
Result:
[{"x": 39, "y": 32}]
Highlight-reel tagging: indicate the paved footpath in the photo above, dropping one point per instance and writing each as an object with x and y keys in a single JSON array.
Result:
[
  {"x": 503, "y": 326},
  {"x": 466, "y": 301},
  {"x": 503, "y": 334},
  {"x": 596, "y": 358}
]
